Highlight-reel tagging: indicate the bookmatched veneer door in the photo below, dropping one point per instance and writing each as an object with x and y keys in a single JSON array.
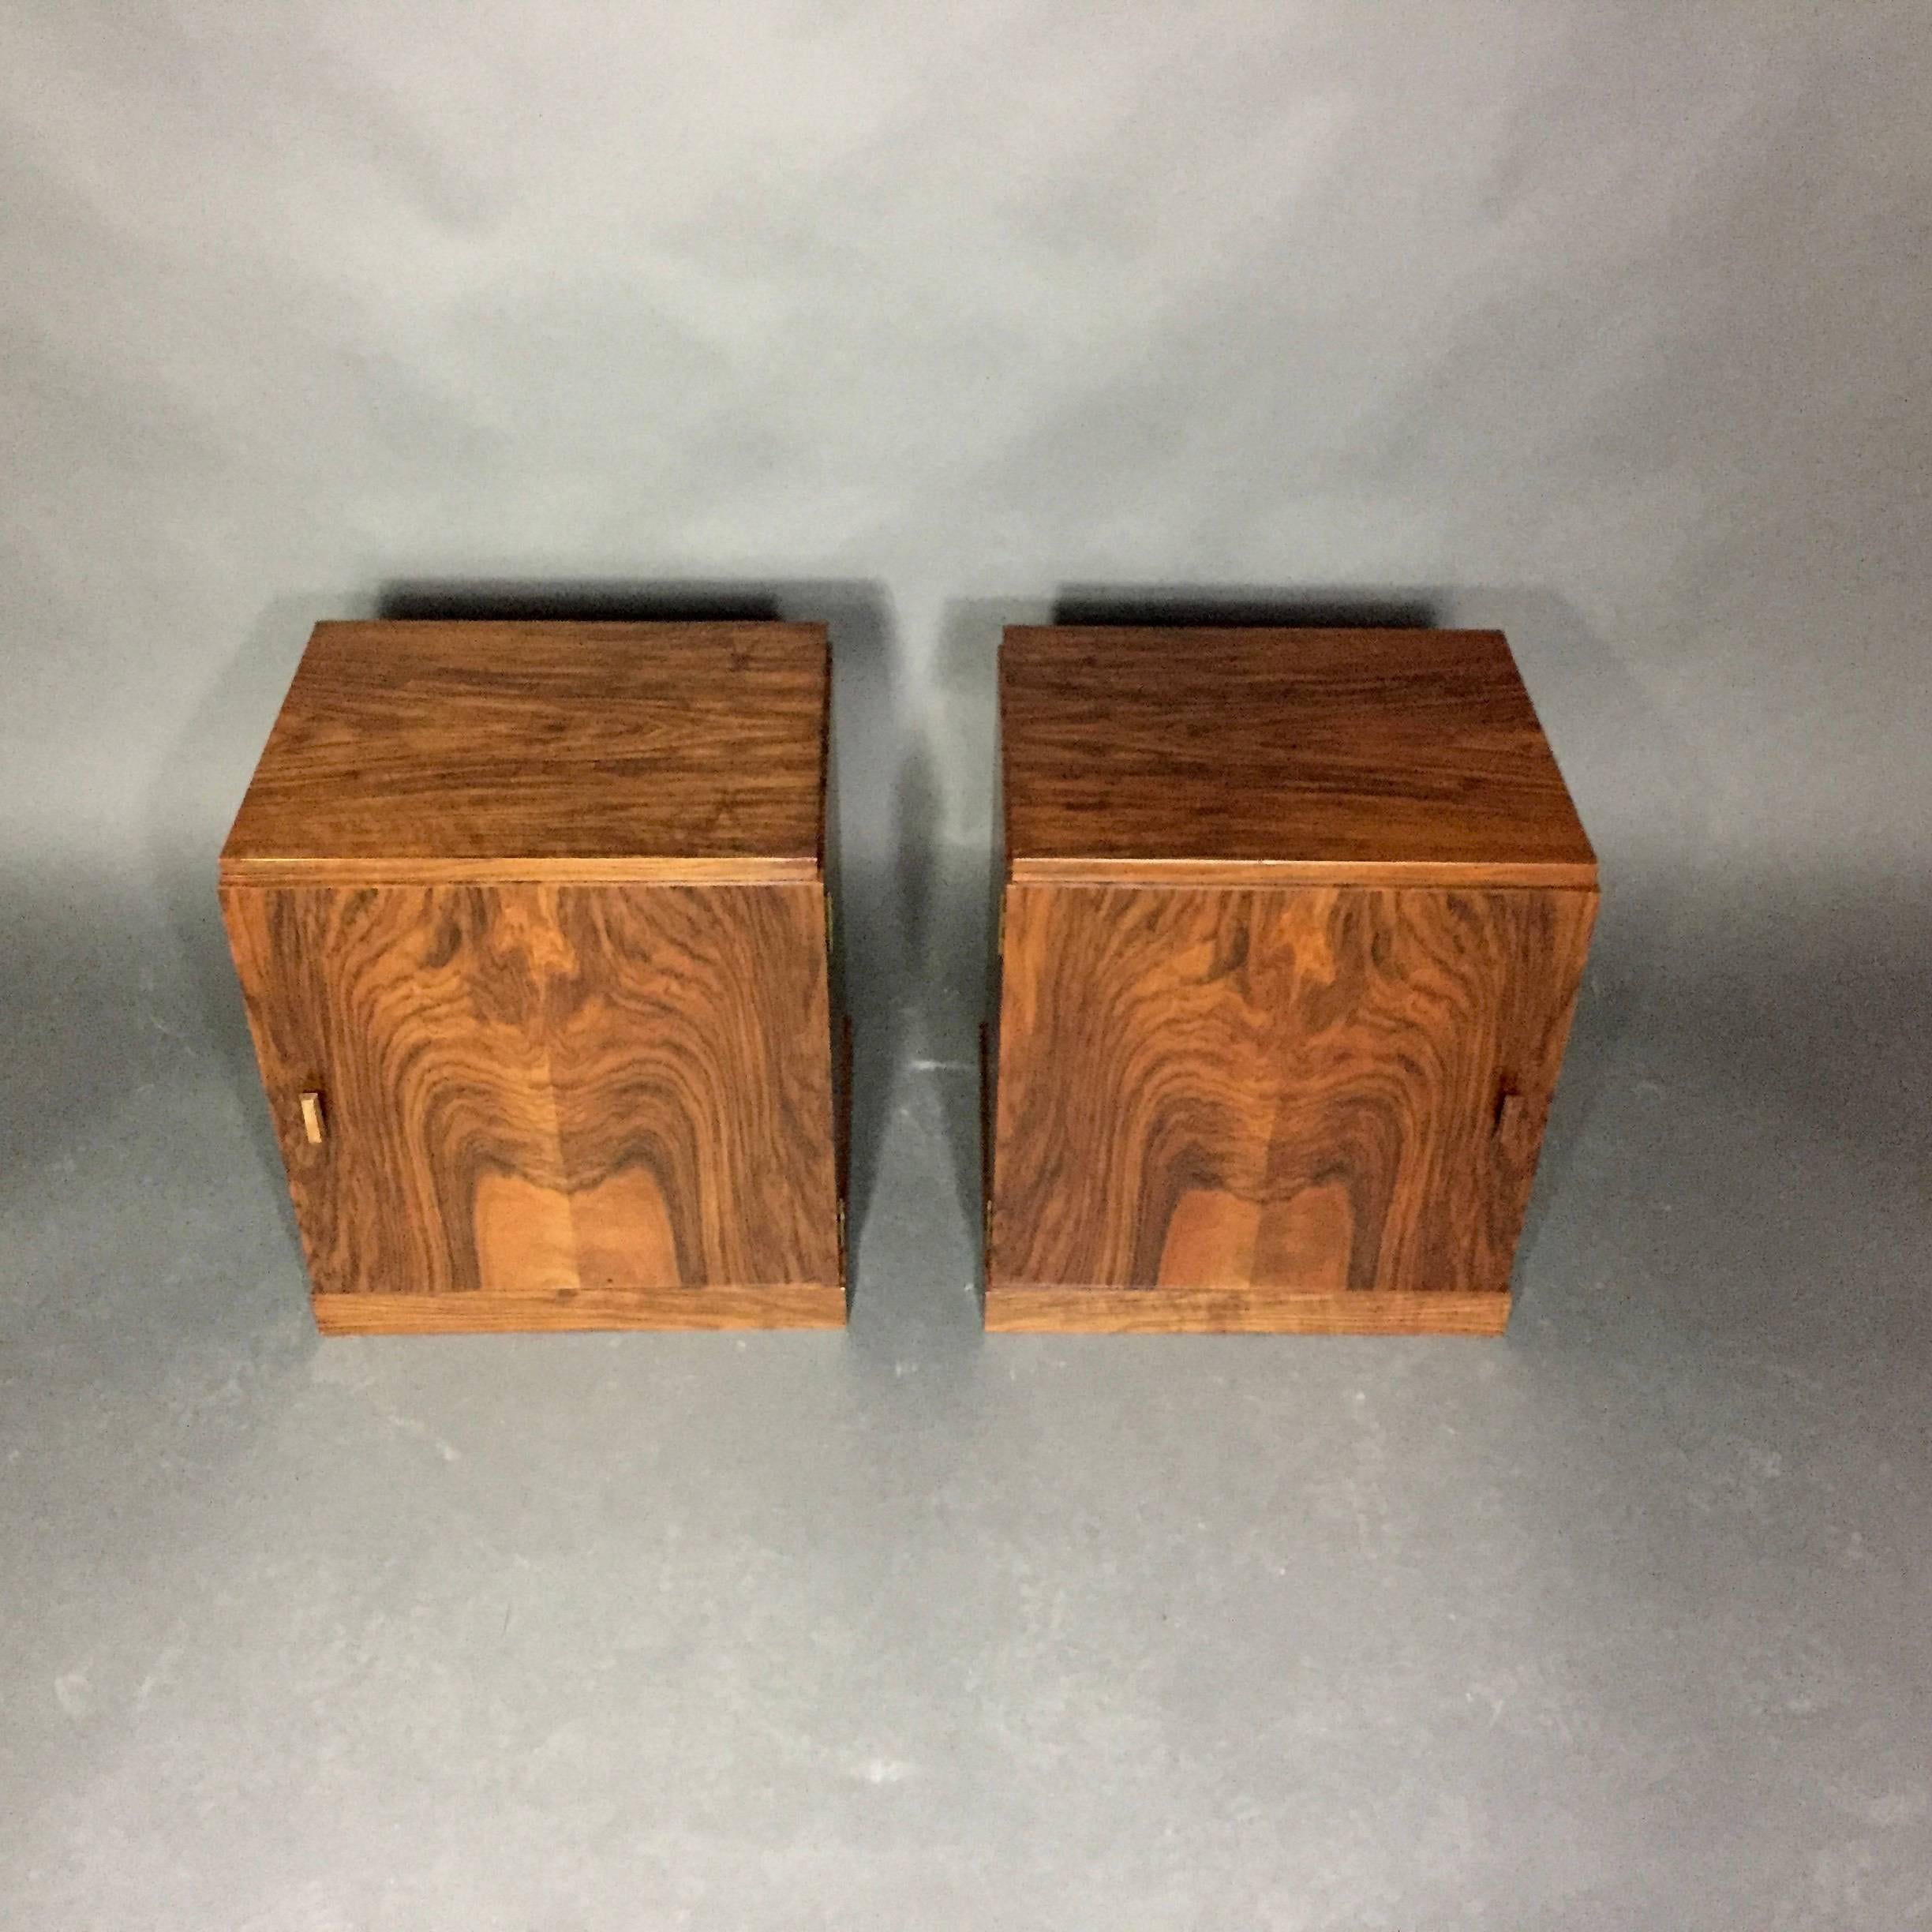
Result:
[
  {"x": 1317, "y": 1105},
  {"x": 550, "y": 1106}
]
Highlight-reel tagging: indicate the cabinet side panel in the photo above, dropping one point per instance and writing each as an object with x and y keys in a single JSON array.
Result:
[
  {"x": 1551, "y": 937},
  {"x": 1301, "y": 1091},
  {"x": 289, "y": 1063}
]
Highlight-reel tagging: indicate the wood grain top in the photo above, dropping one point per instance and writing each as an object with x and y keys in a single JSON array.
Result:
[
  {"x": 1230, "y": 756},
  {"x": 418, "y": 751}
]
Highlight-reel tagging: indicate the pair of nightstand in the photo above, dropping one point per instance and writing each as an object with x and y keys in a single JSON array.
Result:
[{"x": 532, "y": 921}]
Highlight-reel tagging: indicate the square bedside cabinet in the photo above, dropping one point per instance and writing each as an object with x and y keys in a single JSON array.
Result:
[
  {"x": 1292, "y": 925},
  {"x": 530, "y": 920}
]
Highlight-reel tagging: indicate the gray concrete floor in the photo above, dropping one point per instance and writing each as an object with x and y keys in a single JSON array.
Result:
[{"x": 1623, "y": 1621}]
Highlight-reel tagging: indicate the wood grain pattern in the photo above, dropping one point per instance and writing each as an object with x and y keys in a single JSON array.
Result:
[
  {"x": 430, "y": 752},
  {"x": 1254, "y": 757},
  {"x": 1293, "y": 1095},
  {"x": 552, "y": 1106}
]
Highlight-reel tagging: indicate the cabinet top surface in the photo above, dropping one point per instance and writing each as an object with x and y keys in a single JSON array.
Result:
[
  {"x": 427, "y": 750},
  {"x": 1224, "y": 755}
]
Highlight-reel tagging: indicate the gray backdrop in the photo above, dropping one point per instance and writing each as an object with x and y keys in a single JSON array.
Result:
[{"x": 1609, "y": 326}]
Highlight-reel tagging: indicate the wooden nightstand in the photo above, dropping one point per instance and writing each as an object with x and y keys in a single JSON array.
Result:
[
  {"x": 531, "y": 922},
  {"x": 1292, "y": 928}
]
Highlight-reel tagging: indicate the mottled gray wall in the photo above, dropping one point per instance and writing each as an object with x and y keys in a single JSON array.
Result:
[{"x": 1610, "y": 325}]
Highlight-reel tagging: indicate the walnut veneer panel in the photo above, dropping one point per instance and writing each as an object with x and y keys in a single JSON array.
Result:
[
  {"x": 1309, "y": 1106},
  {"x": 552, "y": 1106},
  {"x": 430, "y": 751},
  {"x": 1242, "y": 756}
]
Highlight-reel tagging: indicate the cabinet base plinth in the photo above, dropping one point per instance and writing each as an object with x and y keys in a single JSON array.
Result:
[
  {"x": 791, "y": 1304},
  {"x": 1035, "y": 1310}
]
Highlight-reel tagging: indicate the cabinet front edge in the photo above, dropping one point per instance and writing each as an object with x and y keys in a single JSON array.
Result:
[
  {"x": 1546, "y": 875},
  {"x": 254, "y": 870}
]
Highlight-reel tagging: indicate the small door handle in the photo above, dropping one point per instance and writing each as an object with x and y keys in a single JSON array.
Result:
[
  {"x": 312, "y": 1117},
  {"x": 1509, "y": 1113}
]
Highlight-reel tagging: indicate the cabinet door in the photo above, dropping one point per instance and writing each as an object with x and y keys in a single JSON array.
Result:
[
  {"x": 1320, "y": 1091},
  {"x": 540, "y": 1106}
]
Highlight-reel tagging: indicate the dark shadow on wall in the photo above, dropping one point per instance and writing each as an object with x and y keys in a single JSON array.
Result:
[
  {"x": 513, "y": 600},
  {"x": 1323, "y": 608}
]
